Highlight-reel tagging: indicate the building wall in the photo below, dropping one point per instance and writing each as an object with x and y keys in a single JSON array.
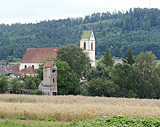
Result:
[
  {"x": 91, "y": 53},
  {"x": 22, "y": 65},
  {"x": 47, "y": 86}
]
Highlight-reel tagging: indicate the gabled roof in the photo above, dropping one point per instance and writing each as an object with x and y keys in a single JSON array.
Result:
[
  {"x": 4, "y": 71},
  {"x": 86, "y": 35},
  {"x": 37, "y": 55},
  {"x": 48, "y": 64},
  {"x": 29, "y": 70},
  {"x": 14, "y": 69}
]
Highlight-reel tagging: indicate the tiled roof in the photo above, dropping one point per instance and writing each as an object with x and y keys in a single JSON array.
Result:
[
  {"x": 86, "y": 35},
  {"x": 4, "y": 71},
  {"x": 37, "y": 55},
  {"x": 29, "y": 70},
  {"x": 48, "y": 64},
  {"x": 12, "y": 68}
]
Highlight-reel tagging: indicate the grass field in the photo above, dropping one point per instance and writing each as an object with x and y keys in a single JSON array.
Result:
[{"x": 68, "y": 108}]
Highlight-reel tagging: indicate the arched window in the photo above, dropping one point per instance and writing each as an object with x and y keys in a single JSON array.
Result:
[
  {"x": 33, "y": 66},
  {"x": 25, "y": 66},
  {"x": 91, "y": 45},
  {"x": 84, "y": 45}
]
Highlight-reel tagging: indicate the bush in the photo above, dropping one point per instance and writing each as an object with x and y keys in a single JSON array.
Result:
[
  {"x": 39, "y": 92},
  {"x": 131, "y": 94},
  {"x": 102, "y": 87}
]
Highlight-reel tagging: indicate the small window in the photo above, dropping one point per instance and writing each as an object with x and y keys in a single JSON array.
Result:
[
  {"x": 33, "y": 66},
  {"x": 53, "y": 64},
  {"x": 25, "y": 66},
  {"x": 91, "y": 45},
  {"x": 53, "y": 71},
  {"x": 84, "y": 45},
  {"x": 53, "y": 80}
]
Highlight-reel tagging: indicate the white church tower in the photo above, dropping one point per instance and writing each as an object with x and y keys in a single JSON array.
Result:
[{"x": 87, "y": 42}]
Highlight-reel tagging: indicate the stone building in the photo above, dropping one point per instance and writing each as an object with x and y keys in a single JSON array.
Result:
[
  {"x": 49, "y": 84},
  {"x": 87, "y": 42}
]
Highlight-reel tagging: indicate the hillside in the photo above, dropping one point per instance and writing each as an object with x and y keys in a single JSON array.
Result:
[{"x": 137, "y": 28}]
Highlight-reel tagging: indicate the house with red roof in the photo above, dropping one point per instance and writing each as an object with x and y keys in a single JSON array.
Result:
[{"x": 35, "y": 56}]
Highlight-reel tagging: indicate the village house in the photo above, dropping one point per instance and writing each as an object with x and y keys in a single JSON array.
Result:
[{"x": 35, "y": 56}]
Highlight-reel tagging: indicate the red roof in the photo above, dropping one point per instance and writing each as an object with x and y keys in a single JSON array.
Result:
[
  {"x": 13, "y": 68},
  {"x": 29, "y": 70},
  {"x": 48, "y": 64},
  {"x": 37, "y": 55}
]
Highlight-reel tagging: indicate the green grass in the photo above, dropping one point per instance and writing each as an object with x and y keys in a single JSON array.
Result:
[
  {"x": 8, "y": 123},
  {"x": 105, "y": 121}
]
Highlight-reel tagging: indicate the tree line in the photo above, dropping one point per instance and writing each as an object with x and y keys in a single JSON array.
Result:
[{"x": 137, "y": 28}]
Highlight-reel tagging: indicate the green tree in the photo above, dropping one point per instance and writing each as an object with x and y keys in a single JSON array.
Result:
[
  {"x": 146, "y": 75},
  {"x": 99, "y": 71},
  {"x": 31, "y": 82},
  {"x": 15, "y": 85},
  {"x": 3, "y": 83},
  {"x": 129, "y": 57},
  {"x": 107, "y": 59},
  {"x": 66, "y": 78},
  {"x": 125, "y": 75},
  {"x": 102, "y": 87},
  {"x": 40, "y": 71},
  {"x": 75, "y": 57}
]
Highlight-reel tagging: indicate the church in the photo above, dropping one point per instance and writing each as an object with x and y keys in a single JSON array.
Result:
[
  {"x": 87, "y": 42},
  {"x": 34, "y": 56}
]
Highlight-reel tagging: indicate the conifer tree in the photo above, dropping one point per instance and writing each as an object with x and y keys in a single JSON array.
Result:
[
  {"x": 129, "y": 57},
  {"x": 107, "y": 59}
]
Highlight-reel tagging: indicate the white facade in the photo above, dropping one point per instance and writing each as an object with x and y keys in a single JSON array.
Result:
[
  {"x": 89, "y": 46},
  {"x": 26, "y": 65}
]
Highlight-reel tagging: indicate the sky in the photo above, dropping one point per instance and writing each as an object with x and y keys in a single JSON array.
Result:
[{"x": 33, "y": 11}]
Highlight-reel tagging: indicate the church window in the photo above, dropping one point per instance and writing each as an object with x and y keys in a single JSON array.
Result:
[
  {"x": 84, "y": 45},
  {"x": 53, "y": 71},
  {"x": 53, "y": 80},
  {"x": 33, "y": 66},
  {"x": 25, "y": 66},
  {"x": 91, "y": 45}
]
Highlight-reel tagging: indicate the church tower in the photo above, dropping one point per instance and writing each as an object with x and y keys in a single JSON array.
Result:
[{"x": 87, "y": 42}]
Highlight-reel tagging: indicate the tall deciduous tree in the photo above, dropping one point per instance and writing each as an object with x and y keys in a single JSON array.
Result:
[
  {"x": 99, "y": 71},
  {"x": 146, "y": 73},
  {"x": 75, "y": 57},
  {"x": 3, "y": 83},
  {"x": 15, "y": 85},
  {"x": 107, "y": 59},
  {"x": 129, "y": 57},
  {"x": 102, "y": 87},
  {"x": 66, "y": 78}
]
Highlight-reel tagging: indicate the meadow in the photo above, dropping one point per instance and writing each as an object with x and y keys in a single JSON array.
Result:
[{"x": 68, "y": 108}]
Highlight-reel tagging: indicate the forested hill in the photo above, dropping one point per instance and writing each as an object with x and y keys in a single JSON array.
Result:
[{"x": 137, "y": 28}]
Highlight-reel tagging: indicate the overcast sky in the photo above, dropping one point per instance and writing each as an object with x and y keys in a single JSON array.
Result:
[{"x": 26, "y": 11}]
